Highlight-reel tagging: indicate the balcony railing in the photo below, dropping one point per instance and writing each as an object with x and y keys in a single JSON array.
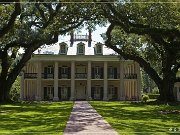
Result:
[
  {"x": 47, "y": 76},
  {"x": 130, "y": 76},
  {"x": 30, "y": 75},
  {"x": 64, "y": 76},
  {"x": 81, "y": 75},
  {"x": 97, "y": 76},
  {"x": 113, "y": 76}
]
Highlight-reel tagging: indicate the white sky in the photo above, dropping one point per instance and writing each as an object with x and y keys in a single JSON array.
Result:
[{"x": 96, "y": 37}]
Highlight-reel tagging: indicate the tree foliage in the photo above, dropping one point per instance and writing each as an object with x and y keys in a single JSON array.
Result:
[
  {"x": 149, "y": 33},
  {"x": 32, "y": 24}
]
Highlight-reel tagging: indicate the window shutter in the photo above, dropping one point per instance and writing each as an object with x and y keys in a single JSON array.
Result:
[
  {"x": 115, "y": 73},
  {"x": 92, "y": 92},
  {"x": 59, "y": 92},
  {"x": 53, "y": 91},
  {"x": 102, "y": 73},
  {"x": 116, "y": 92},
  {"x": 69, "y": 92},
  {"x": 69, "y": 72},
  {"x": 45, "y": 92},
  {"x": 92, "y": 73},
  {"x": 60, "y": 72},
  {"x": 101, "y": 93},
  {"x": 45, "y": 70}
]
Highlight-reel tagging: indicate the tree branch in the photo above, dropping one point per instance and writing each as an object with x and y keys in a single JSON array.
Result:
[
  {"x": 12, "y": 19},
  {"x": 145, "y": 65}
]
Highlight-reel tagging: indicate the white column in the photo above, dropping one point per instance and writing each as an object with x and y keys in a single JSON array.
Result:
[
  {"x": 38, "y": 91},
  {"x": 105, "y": 81},
  {"x": 72, "y": 80},
  {"x": 89, "y": 82},
  {"x": 137, "y": 69},
  {"x": 22, "y": 87},
  {"x": 122, "y": 93},
  {"x": 56, "y": 98}
]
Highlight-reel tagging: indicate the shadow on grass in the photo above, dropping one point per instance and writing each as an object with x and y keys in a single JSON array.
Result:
[
  {"x": 131, "y": 118},
  {"x": 35, "y": 118}
]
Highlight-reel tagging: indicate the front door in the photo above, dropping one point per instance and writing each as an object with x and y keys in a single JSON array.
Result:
[{"x": 81, "y": 93}]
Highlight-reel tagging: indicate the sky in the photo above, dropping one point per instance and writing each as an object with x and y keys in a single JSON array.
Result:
[{"x": 96, "y": 37}]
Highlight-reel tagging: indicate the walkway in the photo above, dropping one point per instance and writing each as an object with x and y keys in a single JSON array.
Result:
[{"x": 84, "y": 120}]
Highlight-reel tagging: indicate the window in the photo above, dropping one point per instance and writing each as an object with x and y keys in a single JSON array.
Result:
[
  {"x": 99, "y": 49},
  {"x": 111, "y": 72},
  {"x": 63, "y": 48},
  {"x": 64, "y": 70},
  {"x": 49, "y": 70},
  {"x": 80, "y": 48},
  {"x": 97, "y": 70}
]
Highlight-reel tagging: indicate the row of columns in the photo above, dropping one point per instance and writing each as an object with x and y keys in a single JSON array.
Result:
[{"x": 121, "y": 92}]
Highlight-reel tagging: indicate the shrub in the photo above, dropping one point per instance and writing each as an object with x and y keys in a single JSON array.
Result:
[
  {"x": 15, "y": 90},
  {"x": 145, "y": 98},
  {"x": 155, "y": 90},
  {"x": 153, "y": 96}
]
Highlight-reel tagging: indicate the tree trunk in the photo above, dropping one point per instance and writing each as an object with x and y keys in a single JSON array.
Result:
[
  {"x": 4, "y": 92},
  {"x": 166, "y": 88}
]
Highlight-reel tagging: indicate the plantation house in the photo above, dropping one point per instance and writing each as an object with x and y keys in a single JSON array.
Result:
[{"x": 81, "y": 71}]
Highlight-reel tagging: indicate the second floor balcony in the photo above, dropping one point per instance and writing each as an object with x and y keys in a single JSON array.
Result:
[
  {"x": 97, "y": 76},
  {"x": 47, "y": 76},
  {"x": 130, "y": 76},
  {"x": 64, "y": 76},
  {"x": 30, "y": 75},
  {"x": 80, "y": 75}
]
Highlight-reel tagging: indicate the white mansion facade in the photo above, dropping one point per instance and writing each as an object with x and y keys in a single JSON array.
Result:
[{"x": 80, "y": 76}]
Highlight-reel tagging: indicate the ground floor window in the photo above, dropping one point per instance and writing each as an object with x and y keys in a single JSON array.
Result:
[
  {"x": 48, "y": 93},
  {"x": 112, "y": 92},
  {"x": 64, "y": 93},
  {"x": 97, "y": 93}
]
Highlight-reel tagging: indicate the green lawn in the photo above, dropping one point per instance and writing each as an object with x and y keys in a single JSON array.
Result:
[
  {"x": 137, "y": 118},
  {"x": 34, "y": 118}
]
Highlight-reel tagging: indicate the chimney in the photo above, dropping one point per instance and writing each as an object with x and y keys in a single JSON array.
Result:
[
  {"x": 71, "y": 38},
  {"x": 89, "y": 38}
]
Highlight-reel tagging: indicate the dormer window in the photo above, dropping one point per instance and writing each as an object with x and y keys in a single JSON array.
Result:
[
  {"x": 63, "y": 48},
  {"x": 99, "y": 49},
  {"x": 80, "y": 48}
]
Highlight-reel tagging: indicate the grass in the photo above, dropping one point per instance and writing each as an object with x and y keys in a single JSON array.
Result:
[
  {"x": 138, "y": 118},
  {"x": 34, "y": 118}
]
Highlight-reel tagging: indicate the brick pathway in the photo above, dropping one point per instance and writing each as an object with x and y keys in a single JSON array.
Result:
[{"x": 84, "y": 120}]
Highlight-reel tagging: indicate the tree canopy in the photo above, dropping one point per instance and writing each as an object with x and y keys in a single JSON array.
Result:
[
  {"x": 31, "y": 24},
  {"x": 148, "y": 33}
]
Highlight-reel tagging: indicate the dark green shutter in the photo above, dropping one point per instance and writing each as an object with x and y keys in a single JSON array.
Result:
[
  {"x": 69, "y": 92},
  {"x": 45, "y": 72},
  {"x": 101, "y": 93},
  {"x": 69, "y": 73},
  {"x": 53, "y": 91},
  {"x": 45, "y": 92},
  {"x": 92, "y": 92},
  {"x": 102, "y": 73},
  {"x": 60, "y": 73},
  {"x": 53, "y": 71},
  {"x": 115, "y": 73},
  {"x": 59, "y": 93},
  {"x": 92, "y": 73},
  {"x": 116, "y": 92}
]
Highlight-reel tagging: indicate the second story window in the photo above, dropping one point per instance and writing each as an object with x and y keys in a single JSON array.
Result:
[
  {"x": 80, "y": 48},
  {"x": 99, "y": 49},
  {"x": 63, "y": 48},
  {"x": 49, "y": 70}
]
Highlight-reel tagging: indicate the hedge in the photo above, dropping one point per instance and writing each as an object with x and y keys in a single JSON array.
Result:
[{"x": 153, "y": 96}]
